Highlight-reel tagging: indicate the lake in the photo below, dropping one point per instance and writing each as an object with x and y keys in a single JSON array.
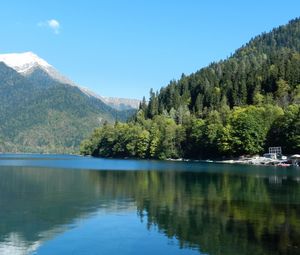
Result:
[{"x": 58, "y": 204}]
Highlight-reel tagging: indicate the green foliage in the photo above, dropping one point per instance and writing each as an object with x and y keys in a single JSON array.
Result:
[
  {"x": 244, "y": 132},
  {"x": 257, "y": 73},
  {"x": 286, "y": 130},
  {"x": 42, "y": 115},
  {"x": 161, "y": 139},
  {"x": 234, "y": 107},
  {"x": 248, "y": 130}
]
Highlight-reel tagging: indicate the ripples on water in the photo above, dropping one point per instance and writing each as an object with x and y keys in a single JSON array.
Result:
[{"x": 57, "y": 204}]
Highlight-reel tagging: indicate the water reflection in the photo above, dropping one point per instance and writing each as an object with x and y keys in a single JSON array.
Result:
[
  {"x": 219, "y": 213},
  {"x": 37, "y": 204},
  {"x": 213, "y": 212}
]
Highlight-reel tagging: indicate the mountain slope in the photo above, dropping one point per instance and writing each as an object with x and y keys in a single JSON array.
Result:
[
  {"x": 238, "y": 106},
  {"x": 253, "y": 70},
  {"x": 39, "y": 113},
  {"x": 28, "y": 63}
]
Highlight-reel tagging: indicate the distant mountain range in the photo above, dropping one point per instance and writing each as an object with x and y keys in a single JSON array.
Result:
[
  {"x": 121, "y": 103},
  {"x": 115, "y": 102},
  {"x": 41, "y": 110}
]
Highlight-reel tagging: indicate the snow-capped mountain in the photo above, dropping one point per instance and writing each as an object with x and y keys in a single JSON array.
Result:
[
  {"x": 23, "y": 62},
  {"x": 121, "y": 103},
  {"x": 114, "y": 102},
  {"x": 26, "y": 63},
  {"x": 43, "y": 111}
]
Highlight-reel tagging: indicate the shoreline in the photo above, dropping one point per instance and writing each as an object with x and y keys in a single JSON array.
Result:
[{"x": 256, "y": 160}]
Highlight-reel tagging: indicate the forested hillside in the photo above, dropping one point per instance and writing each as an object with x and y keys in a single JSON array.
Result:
[
  {"x": 39, "y": 114},
  {"x": 238, "y": 106}
]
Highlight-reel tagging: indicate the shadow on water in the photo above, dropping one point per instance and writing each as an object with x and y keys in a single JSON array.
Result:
[{"x": 216, "y": 212}]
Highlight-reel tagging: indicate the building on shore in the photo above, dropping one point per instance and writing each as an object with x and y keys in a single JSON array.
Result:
[{"x": 274, "y": 153}]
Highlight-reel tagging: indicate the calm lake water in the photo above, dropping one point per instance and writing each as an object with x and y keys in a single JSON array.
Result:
[{"x": 57, "y": 204}]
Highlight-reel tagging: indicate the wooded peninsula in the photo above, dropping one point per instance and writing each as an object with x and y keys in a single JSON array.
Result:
[{"x": 238, "y": 106}]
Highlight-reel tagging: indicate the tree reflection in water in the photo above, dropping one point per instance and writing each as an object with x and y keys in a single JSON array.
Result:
[
  {"x": 219, "y": 213},
  {"x": 215, "y": 212}
]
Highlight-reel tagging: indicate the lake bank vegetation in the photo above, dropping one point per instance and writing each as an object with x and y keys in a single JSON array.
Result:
[
  {"x": 239, "y": 106},
  {"x": 243, "y": 131}
]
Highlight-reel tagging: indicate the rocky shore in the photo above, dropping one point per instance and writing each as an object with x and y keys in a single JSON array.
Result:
[{"x": 258, "y": 160}]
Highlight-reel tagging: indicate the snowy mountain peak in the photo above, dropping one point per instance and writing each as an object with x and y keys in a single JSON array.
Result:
[
  {"x": 26, "y": 63},
  {"x": 23, "y": 62}
]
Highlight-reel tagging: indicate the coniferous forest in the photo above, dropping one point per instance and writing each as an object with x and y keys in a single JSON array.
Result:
[{"x": 238, "y": 106}]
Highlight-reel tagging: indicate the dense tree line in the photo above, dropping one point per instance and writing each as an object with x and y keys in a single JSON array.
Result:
[
  {"x": 240, "y": 131},
  {"x": 233, "y": 107}
]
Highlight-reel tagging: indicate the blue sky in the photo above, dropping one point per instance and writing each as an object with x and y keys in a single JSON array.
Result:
[{"x": 123, "y": 48}]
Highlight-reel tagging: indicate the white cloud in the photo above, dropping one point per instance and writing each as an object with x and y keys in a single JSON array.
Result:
[{"x": 53, "y": 24}]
